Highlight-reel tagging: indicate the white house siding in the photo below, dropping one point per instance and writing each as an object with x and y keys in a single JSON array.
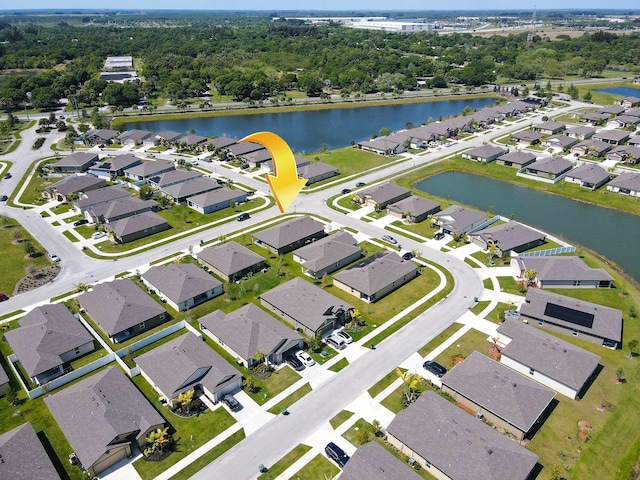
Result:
[
  {"x": 217, "y": 396},
  {"x": 83, "y": 349},
  {"x": 538, "y": 377},
  {"x": 190, "y": 303},
  {"x": 632, "y": 193},
  {"x": 227, "y": 348},
  {"x": 116, "y": 453},
  {"x": 411, "y": 454},
  {"x": 155, "y": 387}
]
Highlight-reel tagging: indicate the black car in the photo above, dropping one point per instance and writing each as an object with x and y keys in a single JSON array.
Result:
[
  {"x": 345, "y": 191},
  {"x": 360, "y": 184},
  {"x": 435, "y": 368},
  {"x": 242, "y": 217},
  {"x": 244, "y": 166},
  {"x": 3, "y": 198},
  {"x": 336, "y": 454},
  {"x": 82, "y": 221},
  {"x": 438, "y": 236},
  {"x": 7, "y": 176},
  {"x": 231, "y": 402},
  {"x": 407, "y": 256},
  {"x": 295, "y": 363}
]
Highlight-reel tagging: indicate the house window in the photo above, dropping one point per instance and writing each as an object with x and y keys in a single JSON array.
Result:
[
  {"x": 141, "y": 325},
  {"x": 576, "y": 283},
  {"x": 77, "y": 350},
  {"x": 531, "y": 371},
  {"x": 427, "y": 463}
]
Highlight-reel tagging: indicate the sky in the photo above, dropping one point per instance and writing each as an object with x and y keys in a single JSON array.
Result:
[{"x": 350, "y": 5}]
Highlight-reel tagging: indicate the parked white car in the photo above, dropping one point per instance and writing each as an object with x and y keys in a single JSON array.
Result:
[
  {"x": 345, "y": 336},
  {"x": 98, "y": 235},
  {"x": 305, "y": 358}
]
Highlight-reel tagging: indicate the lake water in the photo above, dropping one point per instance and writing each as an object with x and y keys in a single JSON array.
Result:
[
  {"x": 624, "y": 91},
  {"x": 607, "y": 231},
  {"x": 307, "y": 131}
]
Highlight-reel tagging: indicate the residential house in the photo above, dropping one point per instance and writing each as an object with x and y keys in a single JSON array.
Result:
[
  {"x": 316, "y": 172},
  {"x": 93, "y": 198},
  {"x": 634, "y": 112},
  {"x": 221, "y": 142},
  {"x": 409, "y": 140},
  {"x": 191, "y": 141},
  {"x": 550, "y": 168},
  {"x": 137, "y": 137},
  {"x": 592, "y": 148},
  {"x": 257, "y": 158},
  {"x": 589, "y": 321},
  {"x": 550, "y": 127},
  {"x": 238, "y": 150},
  {"x": 516, "y": 159},
  {"x": 561, "y": 272},
  {"x": 328, "y": 254},
  {"x": 457, "y": 220},
  {"x": 421, "y": 137},
  {"x": 122, "y": 208},
  {"x": 49, "y": 337},
  {"x": 504, "y": 397},
  {"x": 559, "y": 365},
  {"x": 138, "y": 226},
  {"x": 248, "y": 332},
  {"x": 381, "y": 195},
  {"x": 629, "y": 102},
  {"x": 290, "y": 235},
  {"x": 635, "y": 140},
  {"x": 24, "y": 457},
  {"x": 414, "y": 209},
  {"x": 103, "y": 416},
  {"x": 588, "y": 175},
  {"x": 595, "y": 118},
  {"x": 625, "y": 153},
  {"x": 624, "y": 121},
  {"x": 76, "y": 162},
  {"x": 300, "y": 162},
  {"x": 180, "y": 192},
  {"x": 72, "y": 186},
  {"x": 627, "y": 183},
  {"x": 307, "y": 308},
  {"x": 172, "y": 177},
  {"x": 4, "y": 381},
  {"x": 527, "y": 137},
  {"x": 508, "y": 237},
  {"x": 382, "y": 146},
  {"x": 561, "y": 142},
  {"x": 215, "y": 200},
  {"x": 612, "y": 110},
  {"x": 372, "y": 461},
  {"x": 580, "y": 132},
  {"x": 115, "y": 166},
  {"x": 121, "y": 309},
  {"x": 182, "y": 285},
  {"x": 486, "y": 116},
  {"x": 612, "y": 137},
  {"x": 451, "y": 444},
  {"x": 168, "y": 138},
  {"x": 146, "y": 170},
  {"x": 231, "y": 261},
  {"x": 484, "y": 154},
  {"x": 188, "y": 363},
  {"x": 376, "y": 276},
  {"x": 99, "y": 137}
]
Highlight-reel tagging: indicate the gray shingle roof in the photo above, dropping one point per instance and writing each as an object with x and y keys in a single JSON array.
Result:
[
  {"x": 190, "y": 187},
  {"x": 500, "y": 390},
  {"x": 213, "y": 197},
  {"x": 590, "y": 173},
  {"x": 458, "y": 444},
  {"x": 415, "y": 205},
  {"x": 528, "y": 136},
  {"x": 24, "y": 457},
  {"x": 485, "y": 151},
  {"x": 103, "y": 134},
  {"x": 249, "y": 330},
  {"x": 119, "y": 162},
  {"x": 170, "y": 136},
  {"x": 597, "y": 146},
  {"x": 377, "y": 272},
  {"x": 221, "y": 142},
  {"x": 186, "y": 361},
  {"x": 563, "y": 268},
  {"x": 562, "y": 140},
  {"x": 615, "y": 109},
  {"x": 382, "y": 144},
  {"x": 559, "y": 360},
  {"x": 627, "y": 150},
  {"x": 315, "y": 169},
  {"x": 192, "y": 139},
  {"x": 137, "y": 223},
  {"x": 180, "y": 281},
  {"x": 244, "y": 148},
  {"x": 148, "y": 169},
  {"x": 372, "y": 461},
  {"x": 74, "y": 184},
  {"x": 303, "y": 301},
  {"x": 457, "y": 218},
  {"x": 510, "y": 235},
  {"x": 581, "y": 131},
  {"x": 607, "y": 322},
  {"x": 519, "y": 158},
  {"x": 230, "y": 257},
  {"x": 327, "y": 251},
  {"x": 173, "y": 176},
  {"x": 134, "y": 134},
  {"x": 76, "y": 159},
  {"x": 290, "y": 232},
  {"x": 384, "y": 193},
  {"x": 100, "y": 195},
  {"x": 94, "y": 411},
  {"x": 4, "y": 378},
  {"x": 550, "y": 125},
  {"x": 628, "y": 180},
  {"x": 551, "y": 165},
  {"x": 45, "y": 334},
  {"x": 119, "y": 305},
  {"x": 121, "y": 207},
  {"x": 613, "y": 135}
]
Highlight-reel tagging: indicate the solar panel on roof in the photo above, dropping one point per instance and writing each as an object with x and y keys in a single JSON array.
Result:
[{"x": 570, "y": 315}]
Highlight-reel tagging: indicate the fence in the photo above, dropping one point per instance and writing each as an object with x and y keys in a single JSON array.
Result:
[
  {"x": 544, "y": 253},
  {"x": 491, "y": 221}
]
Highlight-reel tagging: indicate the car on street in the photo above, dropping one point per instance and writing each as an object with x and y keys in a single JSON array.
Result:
[
  {"x": 231, "y": 402},
  {"x": 82, "y": 221},
  {"x": 407, "y": 256},
  {"x": 345, "y": 336},
  {"x": 435, "y": 368},
  {"x": 250, "y": 193},
  {"x": 3, "y": 198},
  {"x": 7, "y": 176},
  {"x": 345, "y": 191},
  {"x": 242, "y": 217},
  {"x": 294, "y": 362},
  {"x": 305, "y": 358},
  {"x": 336, "y": 454},
  {"x": 438, "y": 236},
  {"x": 3, "y": 297},
  {"x": 360, "y": 184},
  {"x": 389, "y": 239},
  {"x": 53, "y": 257}
]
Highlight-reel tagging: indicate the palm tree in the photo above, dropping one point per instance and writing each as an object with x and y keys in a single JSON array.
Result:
[
  {"x": 186, "y": 399},
  {"x": 411, "y": 383},
  {"x": 492, "y": 250},
  {"x": 157, "y": 440},
  {"x": 530, "y": 276}
]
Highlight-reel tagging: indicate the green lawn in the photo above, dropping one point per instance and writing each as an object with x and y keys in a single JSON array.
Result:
[
  {"x": 189, "y": 433},
  {"x": 495, "y": 314},
  {"x": 463, "y": 347},
  {"x": 320, "y": 468},
  {"x": 509, "y": 285},
  {"x": 351, "y": 160},
  {"x": 33, "y": 192},
  {"x": 393, "y": 402},
  {"x": 384, "y": 382},
  {"x": 487, "y": 283},
  {"x": 339, "y": 365},
  {"x": 285, "y": 462},
  {"x": 340, "y": 418},
  {"x": 480, "y": 306},
  {"x": 444, "y": 335},
  {"x": 291, "y": 399},
  {"x": 360, "y": 433},
  {"x": 13, "y": 261}
]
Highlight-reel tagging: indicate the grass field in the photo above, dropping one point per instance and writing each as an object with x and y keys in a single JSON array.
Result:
[
  {"x": 320, "y": 468},
  {"x": 285, "y": 462},
  {"x": 351, "y": 160}
]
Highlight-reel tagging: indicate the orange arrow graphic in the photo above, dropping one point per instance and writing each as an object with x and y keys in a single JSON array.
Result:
[{"x": 284, "y": 183}]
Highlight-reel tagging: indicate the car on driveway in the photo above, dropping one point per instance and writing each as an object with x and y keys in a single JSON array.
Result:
[
  {"x": 231, "y": 402},
  {"x": 244, "y": 166},
  {"x": 305, "y": 358},
  {"x": 53, "y": 257},
  {"x": 435, "y": 368},
  {"x": 242, "y": 217},
  {"x": 389, "y": 239},
  {"x": 82, "y": 221},
  {"x": 407, "y": 256},
  {"x": 360, "y": 184},
  {"x": 295, "y": 363},
  {"x": 336, "y": 454},
  {"x": 345, "y": 336},
  {"x": 438, "y": 236}
]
